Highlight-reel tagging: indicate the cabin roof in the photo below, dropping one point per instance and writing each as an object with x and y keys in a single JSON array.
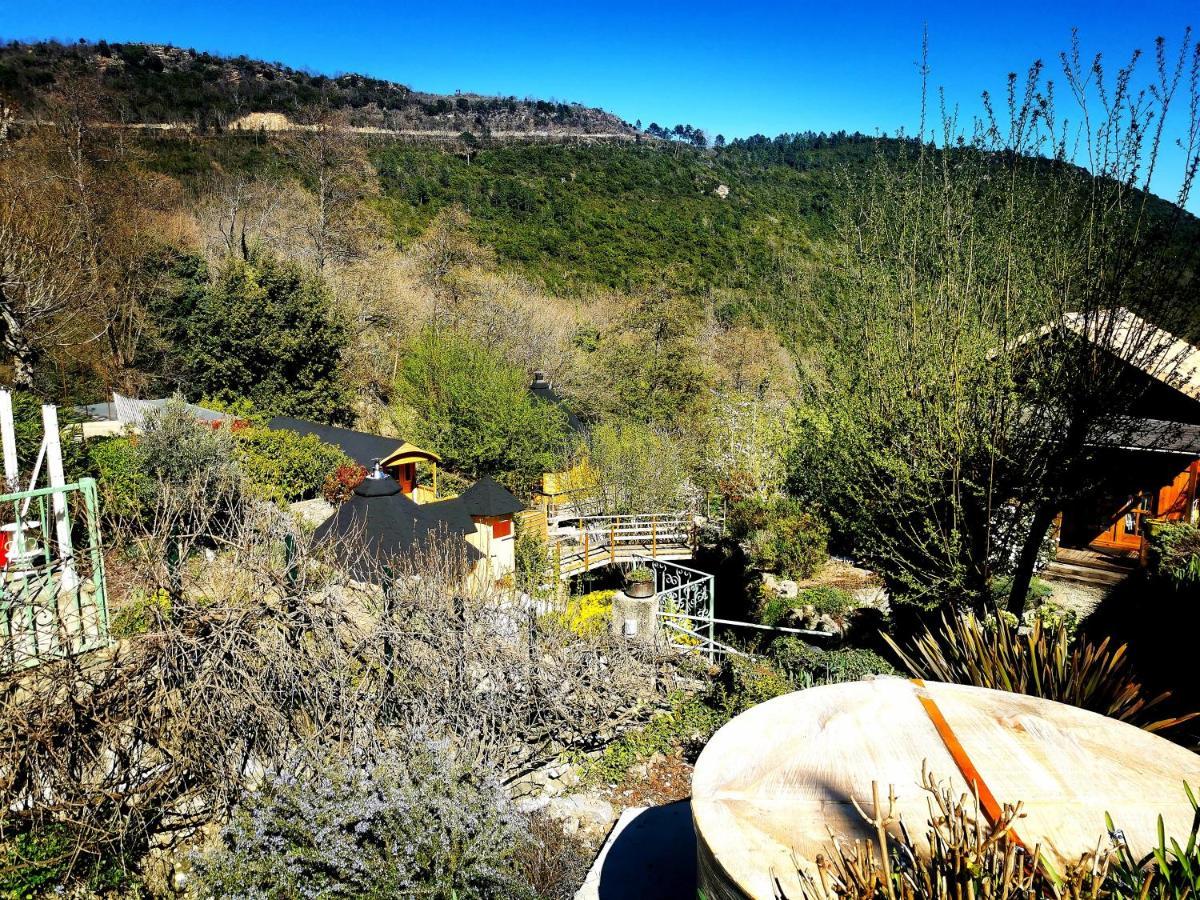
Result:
[
  {"x": 1155, "y": 351},
  {"x": 360, "y": 446},
  {"x": 1163, "y": 356},
  {"x": 1154, "y": 435},
  {"x": 407, "y": 453},
  {"x": 389, "y": 524},
  {"x": 130, "y": 411},
  {"x": 487, "y": 497}
]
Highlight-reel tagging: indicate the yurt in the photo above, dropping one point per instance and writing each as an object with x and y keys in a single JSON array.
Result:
[{"x": 776, "y": 782}]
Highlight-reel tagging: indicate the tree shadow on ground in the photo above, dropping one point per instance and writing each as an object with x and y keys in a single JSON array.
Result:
[{"x": 1153, "y": 621}]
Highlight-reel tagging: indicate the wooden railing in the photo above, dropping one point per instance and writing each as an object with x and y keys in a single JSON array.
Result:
[{"x": 584, "y": 543}]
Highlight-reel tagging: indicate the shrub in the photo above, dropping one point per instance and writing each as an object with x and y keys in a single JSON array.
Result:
[
  {"x": 747, "y": 681},
  {"x": 825, "y": 601},
  {"x": 1045, "y": 662},
  {"x": 268, "y": 332},
  {"x": 803, "y": 663},
  {"x": 400, "y": 824},
  {"x": 588, "y": 615},
  {"x": 689, "y": 723},
  {"x": 533, "y": 571},
  {"x": 285, "y": 466},
  {"x": 1039, "y": 591},
  {"x": 1175, "y": 554},
  {"x": 780, "y": 536},
  {"x": 126, "y": 490},
  {"x": 474, "y": 408},
  {"x": 46, "y": 861},
  {"x": 141, "y": 613},
  {"x": 340, "y": 483}
]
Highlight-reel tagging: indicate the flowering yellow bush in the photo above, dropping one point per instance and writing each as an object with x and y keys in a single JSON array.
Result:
[{"x": 589, "y": 614}]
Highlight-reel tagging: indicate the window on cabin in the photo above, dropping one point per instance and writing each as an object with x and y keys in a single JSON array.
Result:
[{"x": 501, "y": 528}]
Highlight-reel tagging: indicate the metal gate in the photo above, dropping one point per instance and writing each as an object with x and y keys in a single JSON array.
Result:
[{"x": 53, "y": 602}]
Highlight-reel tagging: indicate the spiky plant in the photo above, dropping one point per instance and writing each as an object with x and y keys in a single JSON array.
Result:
[
  {"x": 965, "y": 856},
  {"x": 1045, "y": 661}
]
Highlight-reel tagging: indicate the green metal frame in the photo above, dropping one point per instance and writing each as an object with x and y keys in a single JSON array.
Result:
[{"x": 40, "y": 619}]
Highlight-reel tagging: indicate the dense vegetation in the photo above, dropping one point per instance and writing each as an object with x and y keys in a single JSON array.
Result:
[{"x": 155, "y": 84}]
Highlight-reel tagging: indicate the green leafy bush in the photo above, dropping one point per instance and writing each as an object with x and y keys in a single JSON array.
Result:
[
  {"x": 265, "y": 331},
  {"x": 467, "y": 403},
  {"x": 690, "y": 722},
  {"x": 1039, "y": 591},
  {"x": 47, "y": 861},
  {"x": 395, "y": 825},
  {"x": 126, "y": 489},
  {"x": 588, "y": 615},
  {"x": 747, "y": 681},
  {"x": 803, "y": 663},
  {"x": 780, "y": 535},
  {"x": 141, "y": 613},
  {"x": 285, "y": 466},
  {"x": 825, "y": 601},
  {"x": 1175, "y": 554}
]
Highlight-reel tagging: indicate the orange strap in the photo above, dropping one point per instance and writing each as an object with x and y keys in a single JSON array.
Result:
[{"x": 986, "y": 798}]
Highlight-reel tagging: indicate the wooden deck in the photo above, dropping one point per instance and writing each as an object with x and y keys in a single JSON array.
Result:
[{"x": 1087, "y": 565}]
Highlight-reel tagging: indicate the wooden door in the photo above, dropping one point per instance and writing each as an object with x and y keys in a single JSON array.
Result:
[{"x": 1127, "y": 528}]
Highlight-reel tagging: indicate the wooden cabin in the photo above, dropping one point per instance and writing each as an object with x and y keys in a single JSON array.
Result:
[
  {"x": 397, "y": 457},
  {"x": 1151, "y": 470}
]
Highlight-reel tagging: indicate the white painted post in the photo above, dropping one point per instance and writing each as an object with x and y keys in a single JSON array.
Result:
[
  {"x": 11, "y": 471},
  {"x": 62, "y": 525}
]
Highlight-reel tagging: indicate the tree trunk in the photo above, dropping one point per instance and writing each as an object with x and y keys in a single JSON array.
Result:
[
  {"x": 18, "y": 347},
  {"x": 1043, "y": 518}
]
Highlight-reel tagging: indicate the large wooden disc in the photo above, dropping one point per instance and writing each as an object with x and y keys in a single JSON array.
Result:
[{"x": 773, "y": 783}]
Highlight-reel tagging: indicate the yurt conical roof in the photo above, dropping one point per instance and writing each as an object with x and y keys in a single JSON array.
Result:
[{"x": 774, "y": 782}]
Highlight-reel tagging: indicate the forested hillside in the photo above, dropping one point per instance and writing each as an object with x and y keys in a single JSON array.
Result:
[{"x": 161, "y": 84}]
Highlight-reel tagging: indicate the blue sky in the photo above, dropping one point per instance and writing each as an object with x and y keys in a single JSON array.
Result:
[{"x": 729, "y": 67}]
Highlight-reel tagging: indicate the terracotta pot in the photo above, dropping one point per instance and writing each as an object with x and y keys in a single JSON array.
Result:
[{"x": 639, "y": 589}]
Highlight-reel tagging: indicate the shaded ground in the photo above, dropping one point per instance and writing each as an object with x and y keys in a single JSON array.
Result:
[
  {"x": 651, "y": 852},
  {"x": 1162, "y": 646}
]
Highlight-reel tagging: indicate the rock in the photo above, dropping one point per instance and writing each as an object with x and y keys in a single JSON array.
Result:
[
  {"x": 584, "y": 814},
  {"x": 788, "y": 589},
  {"x": 722, "y": 191}
]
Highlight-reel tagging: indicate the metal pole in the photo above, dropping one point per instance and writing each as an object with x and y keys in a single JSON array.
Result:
[
  {"x": 62, "y": 525},
  {"x": 9, "y": 440}
]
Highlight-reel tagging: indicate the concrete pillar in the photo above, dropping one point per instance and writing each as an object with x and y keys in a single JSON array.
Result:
[{"x": 635, "y": 618}]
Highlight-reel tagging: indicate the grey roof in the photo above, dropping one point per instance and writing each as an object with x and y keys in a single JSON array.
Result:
[
  {"x": 360, "y": 446},
  {"x": 1152, "y": 435},
  {"x": 487, "y": 497},
  {"x": 130, "y": 411},
  {"x": 389, "y": 524}
]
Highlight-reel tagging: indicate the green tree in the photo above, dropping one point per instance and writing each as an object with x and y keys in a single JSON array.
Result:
[
  {"x": 650, "y": 369},
  {"x": 467, "y": 403},
  {"x": 267, "y": 331}
]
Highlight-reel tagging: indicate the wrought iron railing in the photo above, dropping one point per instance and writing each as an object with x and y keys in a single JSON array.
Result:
[{"x": 53, "y": 600}]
